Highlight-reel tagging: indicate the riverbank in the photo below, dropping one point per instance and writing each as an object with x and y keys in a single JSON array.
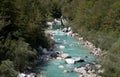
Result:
[
  {"x": 87, "y": 70},
  {"x": 89, "y": 45}
]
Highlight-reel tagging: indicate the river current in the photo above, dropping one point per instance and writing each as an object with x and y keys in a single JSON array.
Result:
[{"x": 74, "y": 49}]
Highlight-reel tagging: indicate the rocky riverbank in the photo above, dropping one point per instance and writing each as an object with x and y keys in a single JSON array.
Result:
[
  {"x": 93, "y": 49},
  {"x": 89, "y": 70}
]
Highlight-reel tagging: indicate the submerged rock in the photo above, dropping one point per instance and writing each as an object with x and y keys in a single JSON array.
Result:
[{"x": 66, "y": 71}]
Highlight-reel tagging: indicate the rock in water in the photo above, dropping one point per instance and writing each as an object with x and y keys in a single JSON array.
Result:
[
  {"x": 79, "y": 59},
  {"x": 60, "y": 66},
  {"x": 61, "y": 46},
  {"x": 65, "y": 55},
  {"x": 69, "y": 61},
  {"x": 45, "y": 51},
  {"x": 59, "y": 58}
]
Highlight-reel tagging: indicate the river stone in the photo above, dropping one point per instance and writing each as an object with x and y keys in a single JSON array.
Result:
[
  {"x": 65, "y": 55},
  {"x": 21, "y": 75},
  {"x": 98, "y": 66},
  {"x": 80, "y": 76},
  {"x": 61, "y": 46},
  {"x": 53, "y": 54},
  {"x": 81, "y": 70},
  {"x": 65, "y": 71},
  {"x": 79, "y": 59},
  {"x": 75, "y": 70},
  {"x": 60, "y": 66},
  {"x": 64, "y": 30},
  {"x": 59, "y": 58},
  {"x": 45, "y": 51},
  {"x": 69, "y": 61}
]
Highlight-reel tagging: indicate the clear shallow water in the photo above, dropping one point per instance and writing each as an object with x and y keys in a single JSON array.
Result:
[{"x": 51, "y": 68}]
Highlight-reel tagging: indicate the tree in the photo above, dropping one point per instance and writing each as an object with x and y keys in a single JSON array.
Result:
[
  {"x": 98, "y": 21},
  {"x": 7, "y": 69}
]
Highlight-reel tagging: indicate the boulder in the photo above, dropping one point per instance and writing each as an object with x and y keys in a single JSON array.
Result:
[
  {"x": 80, "y": 76},
  {"x": 53, "y": 54},
  {"x": 65, "y": 55},
  {"x": 49, "y": 23},
  {"x": 59, "y": 58},
  {"x": 75, "y": 70},
  {"x": 69, "y": 56},
  {"x": 69, "y": 33},
  {"x": 80, "y": 38},
  {"x": 100, "y": 71},
  {"x": 98, "y": 66},
  {"x": 82, "y": 70},
  {"x": 91, "y": 75},
  {"x": 69, "y": 28},
  {"x": 79, "y": 59},
  {"x": 45, "y": 51},
  {"x": 60, "y": 66},
  {"x": 21, "y": 75},
  {"x": 59, "y": 52},
  {"x": 65, "y": 29},
  {"x": 61, "y": 46},
  {"x": 65, "y": 71},
  {"x": 69, "y": 61}
]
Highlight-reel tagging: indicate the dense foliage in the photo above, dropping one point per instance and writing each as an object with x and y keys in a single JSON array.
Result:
[
  {"x": 99, "y": 22},
  {"x": 21, "y": 34},
  {"x": 22, "y": 22}
]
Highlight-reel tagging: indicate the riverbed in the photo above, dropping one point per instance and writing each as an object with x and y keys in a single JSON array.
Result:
[{"x": 71, "y": 47}]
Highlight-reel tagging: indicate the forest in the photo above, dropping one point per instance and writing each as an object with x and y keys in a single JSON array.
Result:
[
  {"x": 21, "y": 35},
  {"x": 99, "y": 22},
  {"x": 22, "y": 25}
]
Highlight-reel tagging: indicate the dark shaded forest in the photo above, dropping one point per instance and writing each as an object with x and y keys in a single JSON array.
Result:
[
  {"x": 21, "y": 34},
  {"x": 22, "y": 25}
]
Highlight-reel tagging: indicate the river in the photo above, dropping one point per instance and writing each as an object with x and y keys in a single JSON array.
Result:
[{"x": 74, "y": 49}]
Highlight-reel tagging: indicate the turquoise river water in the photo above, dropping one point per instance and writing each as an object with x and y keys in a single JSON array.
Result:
[{"x": 77, "y": 50}]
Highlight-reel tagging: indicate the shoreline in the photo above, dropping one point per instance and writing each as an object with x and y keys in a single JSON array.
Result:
[
  {"x": 93, "y": 50},
  {"x": 86, "y": 70},
  {"x": 89, "y": 45}
]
